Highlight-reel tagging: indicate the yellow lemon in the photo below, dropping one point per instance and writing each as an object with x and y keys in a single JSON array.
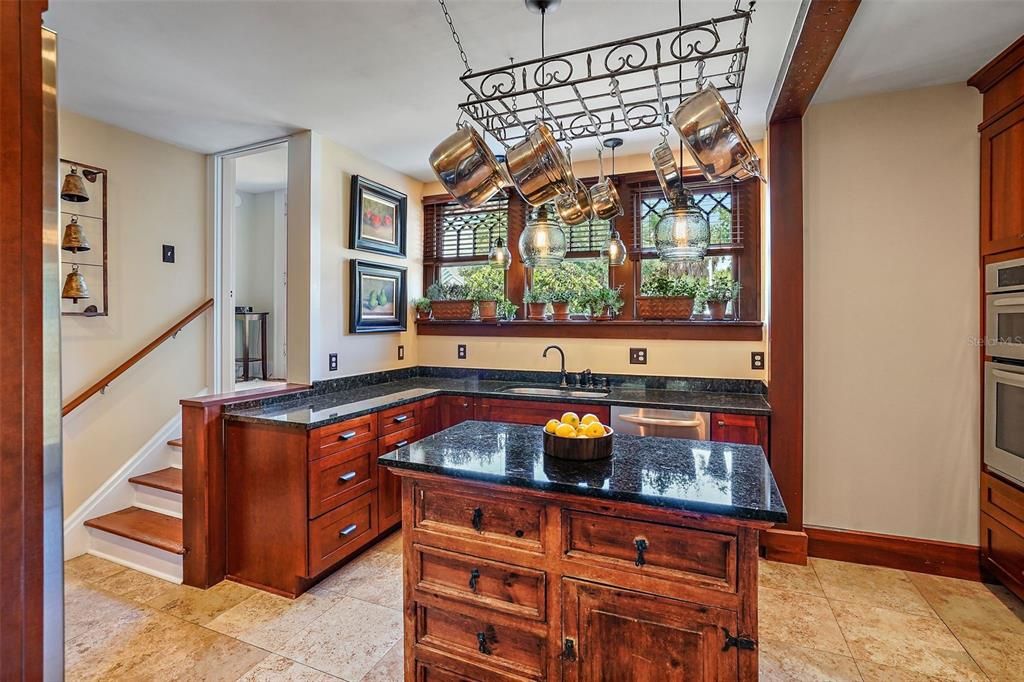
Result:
[
  {"x": 551, "y": 425},
  {"x": 588, "y": 418},
  {"x": 582, "y": 435},
  {"x": 594, "y": 430},
  {"x": 571, "y": 418},
  {"x": 565, "y": 431}
]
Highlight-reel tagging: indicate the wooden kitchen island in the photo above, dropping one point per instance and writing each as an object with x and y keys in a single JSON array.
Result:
[{"x": 522, "y": 567}]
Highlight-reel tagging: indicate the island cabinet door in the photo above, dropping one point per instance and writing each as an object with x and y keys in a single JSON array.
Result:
[
  {"x": 740, "y": 428},
  {"x": 611, "y": 634}
]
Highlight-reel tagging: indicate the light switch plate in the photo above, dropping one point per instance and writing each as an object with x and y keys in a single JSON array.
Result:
[
  {"x": 401, "y": 352},
  {"x": 462, "y": 351},
  {"x": 167, "y": 253},
  {"x": 638, "y": 356},
  {"x": 756, "y": 360},
  {"x": 332, "y": 362}
]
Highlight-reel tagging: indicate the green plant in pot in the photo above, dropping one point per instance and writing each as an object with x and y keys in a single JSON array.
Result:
[
  {"x": 536, "y": 303},
  {"x": 668, "y": 295},
  {"x": 720, "y": 292},
  {"x": 507, "y": 310},
  {"x": 605, "y": 303},
  {"x": 560, "y": 299},
  {"x": 486, "y": 301},
  {"x": 422, "y": 306},
  {"x": 451, "y": 301}
]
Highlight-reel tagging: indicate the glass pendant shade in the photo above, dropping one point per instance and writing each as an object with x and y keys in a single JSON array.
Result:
[
  {"x": 542, "y": 243},
  {"x": 499, "y": 257},
  {"x": 614, "y": 250},
  {"x": 683, "y": 232}
]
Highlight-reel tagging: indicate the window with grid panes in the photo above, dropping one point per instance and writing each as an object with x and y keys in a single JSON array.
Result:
[
  {"x": 583, "y": 270},
  {"x": 457, "y": 241}
]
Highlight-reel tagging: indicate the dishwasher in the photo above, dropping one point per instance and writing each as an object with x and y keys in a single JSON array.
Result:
[{"x": 647, "y": 421}]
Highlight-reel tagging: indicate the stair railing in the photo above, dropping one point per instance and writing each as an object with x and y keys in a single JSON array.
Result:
[{"x": 126, "y": 365}]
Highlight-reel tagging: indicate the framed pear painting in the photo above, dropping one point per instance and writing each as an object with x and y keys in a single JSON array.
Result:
[
  {"x": 377, "y": 218},
  {"x": 377, "y": 297}
]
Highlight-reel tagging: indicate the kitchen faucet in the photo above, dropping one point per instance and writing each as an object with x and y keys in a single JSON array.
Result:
[{"x": 562, "y": 375}]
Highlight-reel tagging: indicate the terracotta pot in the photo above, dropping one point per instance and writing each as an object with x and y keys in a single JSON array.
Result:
[
  {"x": 664, "y": 307},
  {"x": 605, "y": 315},
  {"x": 422, "y": 315},
  {"x": 535, "y": 311},
  {"x": 560, "y": 310},
  {"x": 452, "y": 310},
  {"x": 488, "y": 310},
  {"x": 717, "y": 309}
]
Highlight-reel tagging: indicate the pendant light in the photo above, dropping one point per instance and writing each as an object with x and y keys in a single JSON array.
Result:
[
  {"x": 75, "y": 286},
  {"x": 683, "y": 232},
  {"x": 499, "y": 257},
  {"x": 542, "y": 243},
  {"x": 614, "y": 250}
]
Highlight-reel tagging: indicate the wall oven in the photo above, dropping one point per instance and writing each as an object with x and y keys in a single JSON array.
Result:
[
  {"x": 1004, "y": 309},
  {"x": 1004, "y": 419}
]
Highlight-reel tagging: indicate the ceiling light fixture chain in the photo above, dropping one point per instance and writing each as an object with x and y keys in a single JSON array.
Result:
[{"x": 455, "y": 37}]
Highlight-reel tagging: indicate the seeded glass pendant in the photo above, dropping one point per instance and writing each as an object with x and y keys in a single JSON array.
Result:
[
  {"x": 614, "y": 250},
  {"x": 499, "y": 257},
  {"x": 683, "y": 232},
  {"x": 542, "y": 243}
]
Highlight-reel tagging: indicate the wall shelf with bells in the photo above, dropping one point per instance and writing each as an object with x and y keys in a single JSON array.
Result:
[{"x": 83, "y": 263}]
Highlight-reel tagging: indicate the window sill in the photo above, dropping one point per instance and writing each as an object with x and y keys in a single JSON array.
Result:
[{"x": 701, "y": 330}]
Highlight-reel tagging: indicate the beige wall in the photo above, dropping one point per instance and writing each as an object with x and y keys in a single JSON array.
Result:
[
  {"x": 358, "y": 353},
  {"x": 891, "y": 280},
  {"x": 157, "y": 195}
]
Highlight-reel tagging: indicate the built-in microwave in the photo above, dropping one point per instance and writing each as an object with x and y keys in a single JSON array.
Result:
[
  {"x": 1004, "y": 419},
  {"x": 1004, "y": 309}
]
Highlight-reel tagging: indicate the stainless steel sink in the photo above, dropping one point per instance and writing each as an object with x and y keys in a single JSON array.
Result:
[{"x": 563, "y": 392}]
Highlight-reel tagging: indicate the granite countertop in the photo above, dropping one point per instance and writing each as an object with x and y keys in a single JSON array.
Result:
[
  {"x": 312, "y": 410},
  {"x": 725, "y": 479}
]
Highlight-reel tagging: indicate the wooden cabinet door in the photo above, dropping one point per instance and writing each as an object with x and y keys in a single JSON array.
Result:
[
  {"x": 455, "y": 409},
  {"x": 1002, "y": 184},
  {"x": 535, "y": 412},
  {"x": 740, "y": 428},
  {"x": 430, "y": 417},
  {"x": 618, "y": 636},
  {"x": 389, "y": 486}
]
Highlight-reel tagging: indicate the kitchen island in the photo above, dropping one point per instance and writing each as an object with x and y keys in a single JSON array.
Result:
[{"x": 523, "y": 567}]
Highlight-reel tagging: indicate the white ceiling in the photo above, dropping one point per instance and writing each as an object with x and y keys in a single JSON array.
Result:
[
  {"x": 379, "y": 76},
  {"x": 902, "y": 44},
  {"x": 264, "y": 171}
]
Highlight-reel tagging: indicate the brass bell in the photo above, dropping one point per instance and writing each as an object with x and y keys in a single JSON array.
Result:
[
  {"x": 74, "y": 237},
  {"x": 73, "y": 188},
  {"x": 75, "y": 286}
]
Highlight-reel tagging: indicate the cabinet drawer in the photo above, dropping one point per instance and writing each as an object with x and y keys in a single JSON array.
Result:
[
  {"x": 1003, "y": 502},
  {"x": 398, "y": 439},
  {"x": 652, "y": 549},
  {"x": 343, "y": 476},
  {"x": 477, "y": 640},
  {"x": 455, "y": 670},
  {"x": 492, "y": 520},
  {"x": 340, "y": 532},
  {"x": 398, "y": 418},
  {"x": 347, "y": 434},
  {"x": 488, "y": 584},
  {"x": 1004, "y": 548}
]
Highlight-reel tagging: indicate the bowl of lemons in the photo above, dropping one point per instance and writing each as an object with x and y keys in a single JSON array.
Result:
[{"x": 579, "y": 438}]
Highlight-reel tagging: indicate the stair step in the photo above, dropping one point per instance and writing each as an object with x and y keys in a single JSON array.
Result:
[
  {"x": 174, "y": 443},
  {"x": 150, "y": 528},
  {"x": 168, "y": 479}
]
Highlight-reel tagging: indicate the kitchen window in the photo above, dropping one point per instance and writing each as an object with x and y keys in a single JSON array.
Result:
[{"x": 457, "y": 240}]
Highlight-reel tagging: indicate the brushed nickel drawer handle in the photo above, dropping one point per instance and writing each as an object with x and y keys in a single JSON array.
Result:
[
  {"x": 345, "y": 478},
  {"x": 401, "y": 443},
  {"x": 348, "y": 435},
  {"x": 400, "y": 418},
  {"x": 347, "y": 530}
]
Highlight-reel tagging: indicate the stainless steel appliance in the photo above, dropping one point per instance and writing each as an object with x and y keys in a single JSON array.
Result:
[
  {"x": 646, "y": 421},
  {"x": 1004, "y": 309},
  {"x": 1004, "y": 419}
]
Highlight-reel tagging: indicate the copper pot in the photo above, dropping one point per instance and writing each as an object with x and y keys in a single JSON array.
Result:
[
  {"x": 667, "y": 171},
  {"x": 575, "y": 207},
  {"x": 714, "y": 137},
  {"x": 604, "y": 199},
  {"x": 467, "y": 168},
  {"x": 538, "y": 167}
]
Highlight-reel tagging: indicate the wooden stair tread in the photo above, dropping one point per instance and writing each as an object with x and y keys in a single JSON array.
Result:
[
  {"x": 174, "y": 442},
  {"x": 168, "y": 479},
  {"x": 148, "y": 527}
]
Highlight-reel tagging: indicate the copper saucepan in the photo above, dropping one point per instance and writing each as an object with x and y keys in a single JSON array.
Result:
[
  {"x": 538, "y": 167},
  {"x": 714, "y": 137},
  {"x": 467, "y": 168}
]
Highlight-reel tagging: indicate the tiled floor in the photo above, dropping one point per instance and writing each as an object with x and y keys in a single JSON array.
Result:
[{"x": 825, "y": 621}]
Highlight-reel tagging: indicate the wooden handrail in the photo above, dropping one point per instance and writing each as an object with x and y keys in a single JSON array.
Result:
[{"x": 124, "y": 366}]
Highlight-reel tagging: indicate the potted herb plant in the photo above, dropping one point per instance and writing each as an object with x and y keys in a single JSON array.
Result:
[
  {"x": 536, "y": 304},
  {"x": 450, "y": 301},
  {"x": 507, "y": 310},
  {"x": 486, "y": 301},
  {"x": 665, "y": 295},
  {"x": 422, "y": 306},
  {"x": 560, "y": 304},
  {"x": 720, "y": 292},
  {"x": 605, "y": 303}
]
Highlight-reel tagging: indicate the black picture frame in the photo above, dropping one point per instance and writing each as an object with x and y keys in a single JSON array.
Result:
[
  {"x": 365, "y": 316},
  {"x": 377, "y": 202}
]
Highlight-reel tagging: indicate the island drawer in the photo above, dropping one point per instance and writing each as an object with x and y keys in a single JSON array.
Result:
[
  {"x": 337, "y": 533},
  {"x": 450, "y": 669},
  {"x": 343, "y": 476},
  {"x": 347, "y": 434},
  {"x": 674, "y": 553},
  {"x": 478, "y": 640},
  {"x": 486, "y": 520},
  {"x": 398, "y": 418},
  {"x": 479, "y": 582}
]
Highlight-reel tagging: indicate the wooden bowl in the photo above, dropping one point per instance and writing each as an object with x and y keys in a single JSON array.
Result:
[{"x": 579, "y": 449}]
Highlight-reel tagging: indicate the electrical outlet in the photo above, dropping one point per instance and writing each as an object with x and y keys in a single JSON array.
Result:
[
  {"x": 168, "y": 253},
  {"x": 401, "y": 352},
  {"x": 462, "y": 351},
  {"x": 332, "y": 362},
  {"x": 757, "y": 359},
  {"x": 638, "y": 356}
]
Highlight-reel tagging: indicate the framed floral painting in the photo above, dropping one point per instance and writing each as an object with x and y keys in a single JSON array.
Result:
[
  {"x": 377, "y": 218},
  {"x": 377, "y": 297}
]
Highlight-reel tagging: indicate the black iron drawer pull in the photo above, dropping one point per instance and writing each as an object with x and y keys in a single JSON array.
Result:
[
  {"x": 569, "y": 650},
  {"x": 401, "y": 443},
  {"x": 347, "y": 530},
  {"x": 401, "y": 418},
  {"x": 739, "y": 641},
  {"x": 474, "y": 578},
  {"x": 478, "y": 519},
  {"x": 348, "y": 435},
  {"x": 481, "y": 642},
  {"x": 345, "y": 478},
  {"x": 641, "y": 547}
]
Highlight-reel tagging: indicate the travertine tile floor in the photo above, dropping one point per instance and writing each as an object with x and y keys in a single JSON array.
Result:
[{"x": 826, "y": 621}]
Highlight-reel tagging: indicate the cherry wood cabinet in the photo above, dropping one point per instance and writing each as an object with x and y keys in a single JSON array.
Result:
[
  {"x": 740, "y": 428},
  {"x": 1002, "y": 530},
  {"x": 454, "y": 409},
  {"x": 533, "y": 412}
]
